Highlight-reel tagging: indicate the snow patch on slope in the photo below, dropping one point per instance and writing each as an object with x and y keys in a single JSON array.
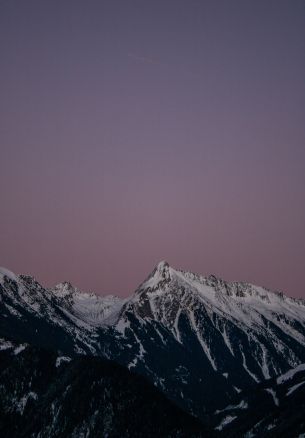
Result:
[
  {"x": 290, "y": 374},
  {"x": 294, "y": 387},
  {"x": 228, "y": 419},
  {"x": 273, "y": 393}
]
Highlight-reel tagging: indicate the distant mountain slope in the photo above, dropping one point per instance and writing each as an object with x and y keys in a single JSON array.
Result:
[
  {"x": 200, "y": 340},
  {"x": 62, "y": 318},
  {"x": 275, "y": 408},
  {"x": 45, "y": 395},
  {"x": 215, "y": 338}
]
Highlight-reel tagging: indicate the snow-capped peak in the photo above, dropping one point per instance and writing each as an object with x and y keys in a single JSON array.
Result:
[
  {"x": 163, "y": 264},
  {"x": 162, "y": 271},
  {"x": 158, "y": 278}
]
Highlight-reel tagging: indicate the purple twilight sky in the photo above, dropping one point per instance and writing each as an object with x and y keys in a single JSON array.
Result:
[{"x": 136, "y": 131}]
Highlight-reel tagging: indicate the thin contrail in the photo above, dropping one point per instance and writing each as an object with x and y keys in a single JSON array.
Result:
[{"x": 145, "y": 59}]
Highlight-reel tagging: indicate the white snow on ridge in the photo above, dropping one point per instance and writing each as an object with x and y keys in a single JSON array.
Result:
[
  {"x": 273, "y": 393},
  {"x": 61, "y": 359},
  {"x": 228, "y": 419},
  {"x": 242, "y": 405},
  {"x": 203, "y": 344},
  {"x": 247, "y": 369},
  {"x": 5, "y": 345},
  {"x": 122, "y": 325},
  {"x": 290, "y": 374},
  {"x": 6, "y": 273},
  {"x": 19, "y": 349},
  {"x": 249, "y": 309},
  {"x": 294, "y": 387}
]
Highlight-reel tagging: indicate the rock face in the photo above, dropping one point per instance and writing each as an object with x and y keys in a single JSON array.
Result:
[
  {"x": 46, "y": 395},
  {"x": 200, "y": 340}
]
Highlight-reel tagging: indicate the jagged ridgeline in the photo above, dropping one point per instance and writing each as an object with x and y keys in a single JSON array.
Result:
[{"x": 200, "y": 340}]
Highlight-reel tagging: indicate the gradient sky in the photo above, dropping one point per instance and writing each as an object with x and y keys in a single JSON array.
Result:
[{"x": 136, "y": 131}]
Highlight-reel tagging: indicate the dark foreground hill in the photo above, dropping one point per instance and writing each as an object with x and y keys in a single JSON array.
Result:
[{"x": 46, "y": 395}]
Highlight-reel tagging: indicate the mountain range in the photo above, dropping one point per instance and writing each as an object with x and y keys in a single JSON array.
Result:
[{"x": 205, "y": 343}]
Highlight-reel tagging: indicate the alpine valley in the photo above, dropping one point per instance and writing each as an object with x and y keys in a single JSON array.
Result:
[{"x": 193, "y": 355}]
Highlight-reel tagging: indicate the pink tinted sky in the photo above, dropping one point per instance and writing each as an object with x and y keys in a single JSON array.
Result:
[{"x": 137, "y": 131}]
